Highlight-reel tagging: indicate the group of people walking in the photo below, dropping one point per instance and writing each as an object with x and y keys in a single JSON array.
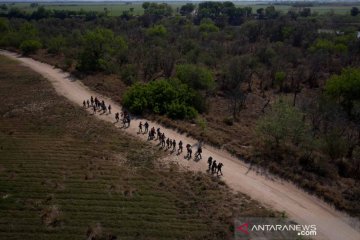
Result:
[
  {"x": 165, "y": 143},
  {"x": 100, "y": 106}
]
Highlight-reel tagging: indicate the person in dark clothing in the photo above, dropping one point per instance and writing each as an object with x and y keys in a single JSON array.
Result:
[
  {"x": 219, "y": 166},
  {"x": 96, "y": 102},
  {"x": 189, "y": 151},
  {"x": 117, "y": 118},
  {"x": 213, "y": 167},
  {"x": 174, "y": 145},
  {"x": 128, "y": 119},
  {"x": 180, "y": 147},
  {"x": 163, "y": 140},
  {"x": 104, "y": 108},
  {"x": 140, "y": 127},
  {"x": 198, "y": 153},
  {"x": 152, "y": 131},
  {"x": 109, "y": 108},
  {"x": 84, "y": 104},
  {"x": 210, "y": 159},
  {"x": 167, "y": 143},
  {"x": 146, "y": 125},
  {"x": 92, "y": 101},
  {"x": 158, "y": 134}
]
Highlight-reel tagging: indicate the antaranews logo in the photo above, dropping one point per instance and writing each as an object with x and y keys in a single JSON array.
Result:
[{"x": 271, "y": 228}]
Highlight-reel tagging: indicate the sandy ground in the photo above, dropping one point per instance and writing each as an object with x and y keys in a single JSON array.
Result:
[{"x": 280, "y": 195}]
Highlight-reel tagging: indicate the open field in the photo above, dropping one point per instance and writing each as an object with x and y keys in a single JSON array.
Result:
[
  {"x": 64, "y": 175},
  {"x": 116, "y": 9}
]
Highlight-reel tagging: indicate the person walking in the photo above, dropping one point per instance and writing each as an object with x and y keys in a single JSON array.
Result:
[
  {"x": 167, "y": 143},
  {"x": 174, "y": 145},
  {"x": 109, "y": 108},
  {"x": 219, "y": 166},
  {"x": 198, "y": 153},
  {"x": 210, "y": 159},
  {"x": 180, "y": 147},
  {"x": 163, "y": 140},
  {"x": 117, "y": 118},
  {"x": 128, "y": 119},
  {"x": 140, "y": 127},
  {"x": 96, "y": 102},
  {"x": 92, "y": 101},
  {"x": 189, "y": 151},
  {"x": 84, "y": 104},
  {"x": 158, "y": 134},
  {"x": 213, "y": 167},
  {"x": 146, "y": 125}
]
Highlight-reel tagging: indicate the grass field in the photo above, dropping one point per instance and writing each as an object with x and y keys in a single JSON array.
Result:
[
  {"x": 66, "y": 175},
  {"x": 116, "y": 9}
]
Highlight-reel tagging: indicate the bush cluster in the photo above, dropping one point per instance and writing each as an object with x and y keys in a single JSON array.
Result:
[{"x": 169, "y": 97}]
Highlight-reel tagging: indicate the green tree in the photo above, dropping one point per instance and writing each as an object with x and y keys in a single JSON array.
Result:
[
  {"x": 169, "y": 97},
  {"x": 283, "y": 124},
  {"x": 56, "y": 44},
  {"x": 30, "y": 46},
  {"x": 187, "y": 9},
  {"x": 208, "y": 26},
  {"x": 102, "y": 51},
  {"x": 3, "y": 7},
  {"x": 345, "y": 88},
  {"x": 156, "y": 31},
  {"x": 354, "y": 11},
  {"x": 199, "y": 78}
]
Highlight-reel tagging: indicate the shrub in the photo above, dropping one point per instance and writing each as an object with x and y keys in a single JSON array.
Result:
[
  {"x": 30, "y": 46},
  {"x": 156, "y": 31},
  {"x": 162, "y": 97},
  {"x": 196, "y": 77}
]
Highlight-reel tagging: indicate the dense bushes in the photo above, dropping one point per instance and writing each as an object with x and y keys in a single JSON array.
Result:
[
  {"x": 102, "y": 51},
  {"x": 168, "y": 97},
  {"x": 195, "y": 76},
  {"x": 30, "y": 46}
]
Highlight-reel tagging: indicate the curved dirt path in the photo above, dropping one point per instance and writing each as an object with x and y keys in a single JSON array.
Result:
[{"x": 280, "y": 195}]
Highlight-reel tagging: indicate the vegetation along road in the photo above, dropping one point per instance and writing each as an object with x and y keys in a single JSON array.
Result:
[{"x": 278, "y": 194}]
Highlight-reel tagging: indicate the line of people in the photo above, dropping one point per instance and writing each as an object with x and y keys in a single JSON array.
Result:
[
  {"x": 167, "y": 143},
  {"x": 98, "y": 105}
]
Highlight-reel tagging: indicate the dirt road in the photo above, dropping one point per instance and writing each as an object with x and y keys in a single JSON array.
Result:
[{"x": 280, "y": 195}]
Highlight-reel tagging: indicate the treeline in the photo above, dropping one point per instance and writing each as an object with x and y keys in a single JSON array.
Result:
[{"x": 42, "y": 12}]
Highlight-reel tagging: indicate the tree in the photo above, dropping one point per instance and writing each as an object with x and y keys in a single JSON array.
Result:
[
  {"x": 56, "y": 44},
  {"x": 187, "y": 9},
  {"x": 354, "y": 11},
  {"x": 345, "y": 87},
  {"x": 162, "y": 96},
  {"x": 199, "y": 78},
  {"x": 30, "y": 46},
  {"x": 156, "y": 31},
  {"x": 3, "y": 7},
  {"x": 235, "y": 76},
  {"x": 207, "y": 26},
  {"x": 305, "y": 12},
  {"x": 101, "y": 51},
  {"x": 271, "y": 12},
  {"x": 283, "y": 124}
]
